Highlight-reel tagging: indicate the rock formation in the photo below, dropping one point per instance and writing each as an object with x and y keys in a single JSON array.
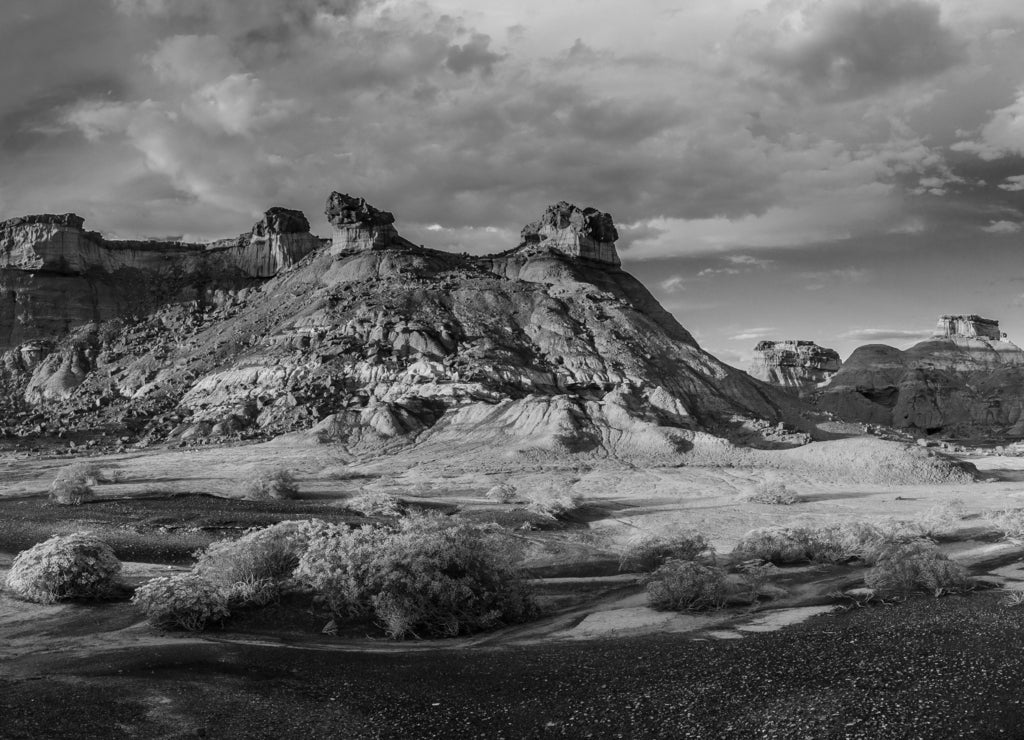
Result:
[
  {"x": 966, "y": 381},
  {"x": 57, "y": 276},
  {"x": 376, "y": 344},
  {"x": 967, "y": 327},
  {"x": 586, "y": 233},
  {"x": 794, "y": 364},
  {"x": 358, "y": 226}
]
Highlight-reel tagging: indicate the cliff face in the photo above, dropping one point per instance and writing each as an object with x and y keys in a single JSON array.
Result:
[
  {"x": 795, "y": 364},
  {"x": 385, "y": 345},
  {"x": 963, "y": 383},
  {"x": 56, "y": 276}
]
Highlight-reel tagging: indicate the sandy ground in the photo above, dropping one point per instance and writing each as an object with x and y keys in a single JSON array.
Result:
[{"x": 590, "y": 602}]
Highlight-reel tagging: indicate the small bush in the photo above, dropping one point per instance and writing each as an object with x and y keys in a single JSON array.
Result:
[
  {"x": 681, "y": 585},
  {"x": 431, "y": 577},
  {"x": 253, "y": 569},
  {"x": 376, "y": 503},
  {"x": 76, "y": 566},
  {"x": 772, "y": 544},
  {"x": 649, "y": 552},
  {"x": 89, "y": 472},
  {"x": 941, "y": 519},
  {"x": 773, "y": 492},
  {"x": 903, "y": 567},
  {"x": 503, "y": 493},
  {"x": 70, "y": 492},
  {"x": 185, "y": 601},
  {"x": 1008, "y": 521},
  {"x": 271, "y": 484},
  {"x": 552, "y": 501}
]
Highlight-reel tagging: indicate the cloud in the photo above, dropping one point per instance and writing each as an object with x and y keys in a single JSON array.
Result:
[
  {"x": 849, "y": 49},
  {"x": 474, "y": 54},
  {"x": 1002, "y": 136},
  {"x": 878, "y": 336},
  {"x": 1002, "y": 227},
  {"x": 1013, "y": 184},
  {"x": 759, "y": 332},
  {"x": 820, "y": 279}
]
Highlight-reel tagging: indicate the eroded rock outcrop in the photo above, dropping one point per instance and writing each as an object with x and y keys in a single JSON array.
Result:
[
  {"x": 57, "y": 276},
  {"x": 542, "y": 351},
  {"x": 963, "y": 382},
  {"x": 358, "y": 226},
  {"x": 794, "y": 364},
  {"x": 586, "y": 233}
]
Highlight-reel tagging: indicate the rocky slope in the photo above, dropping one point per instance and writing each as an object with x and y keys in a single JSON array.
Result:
[
  {"x": 376, "y": 344},
  {"x": 965, "y": 381},
  {"x": 795, "y": 364}
]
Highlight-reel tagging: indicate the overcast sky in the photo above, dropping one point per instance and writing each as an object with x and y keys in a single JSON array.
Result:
[{"x": 836, "y": 170}]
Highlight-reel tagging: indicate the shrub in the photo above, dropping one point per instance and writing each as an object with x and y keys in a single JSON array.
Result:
[
  {"x": 681, "y": 585},
  {"x": 271, "y": 484},
  {"x": 503, "y": 493},
  {"x": 253, "y": 569},
  {"x": 918, "y": 565},
  {"x": 941, "y": 518},
  {"x": 376, "y": 503},
  {"x": 1008, "y": 521},
  {"x": 76, "y": 566},
  {"x": 648, "y": 552},
  {"x": 73, "y": 483},
  {"x": 185, "y": 601},
  {"x": 773, "y": 492},
  {"x": 430, "y": 577},
  {"x": 773, "y": 544},
  {"x": 552, "y": 501}
]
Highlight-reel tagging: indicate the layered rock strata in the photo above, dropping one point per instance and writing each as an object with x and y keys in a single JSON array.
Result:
[
  {"x": 963, "y": 383},
  {"x": 585, "y": 233},
  {"x": 795, "y": 364},
  {"x": 534, "y": 352}
]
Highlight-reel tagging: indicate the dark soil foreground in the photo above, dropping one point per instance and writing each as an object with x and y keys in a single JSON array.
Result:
[{"x": 946, "y": 668}]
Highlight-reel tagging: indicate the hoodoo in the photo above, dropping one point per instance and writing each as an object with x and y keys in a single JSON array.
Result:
[{"x": 576, "y": 232}]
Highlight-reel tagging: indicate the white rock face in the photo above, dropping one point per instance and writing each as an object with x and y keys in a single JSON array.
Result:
[
  {"x": 794, "y": 364},
  {"x": 60, "y": 246},
  {"x": 583, "y": 233},
  {"x": 968, "y": 327}
]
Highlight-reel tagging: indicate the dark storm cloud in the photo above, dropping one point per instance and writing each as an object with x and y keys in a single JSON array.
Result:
[
  {"x": 474, "y": 54},
  {"x": 853, "y": 48}
]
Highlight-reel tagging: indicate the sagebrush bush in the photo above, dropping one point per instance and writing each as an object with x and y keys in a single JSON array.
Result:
[
  {"x": 903, "y": 567},
  {"x": 184, "y": 601},
  {"x": 681, "y": 585},
  {"x": 253, "y": 569},
  {"x": 551, "y": 500},
  {"x": 278, "y": 483},
  {"x": 76, "y": 566},
  {"x": 72, "y": 486},
  {"x": 650, "y": 551},
  {"x": 773, "y": 492},
  {"x": 773, "y": 544},
  {"x": 941, "y": 518},
  {"x": 503, "y": 493},
  {"x": 375, "y": 503},
  {"x": 431, "y": 576},
  {"x": 1008, "y": 521}
]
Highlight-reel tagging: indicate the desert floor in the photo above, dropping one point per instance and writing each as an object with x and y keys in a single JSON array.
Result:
[{"x": 599, "y": 663}]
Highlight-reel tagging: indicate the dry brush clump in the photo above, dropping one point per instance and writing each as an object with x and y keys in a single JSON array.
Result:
[
  {"x": 905, "y": 567},
  {"x": 72, "y": 486},
  {"x": 430, "y": 576},
  {"x": 185, "y": 601},
  {"x": 503, "y": 493},
  {"x": 375, "y": 503},
  {"x": 648, "y": 552},
  {"x": 254, "y": 569},
  {"x": 1010, "y": 522},
  {"x": 277, "y": 483},
  {"x": 76, "y": 566},
  {"x": 774, "y": 493},
  {"x": 551, "y": 500},
  {"x": 681, "y": 585}
]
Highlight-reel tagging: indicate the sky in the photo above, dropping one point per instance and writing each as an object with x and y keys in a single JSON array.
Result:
[{"x": 843, "y": 171}]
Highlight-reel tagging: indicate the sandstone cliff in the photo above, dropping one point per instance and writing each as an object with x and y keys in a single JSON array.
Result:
[
  {"x": 964, "y": 382},
  {"x": 56, "y": 276},
  {"x": 376, "y": 344},
  {"x": 795, "y": 364}
]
